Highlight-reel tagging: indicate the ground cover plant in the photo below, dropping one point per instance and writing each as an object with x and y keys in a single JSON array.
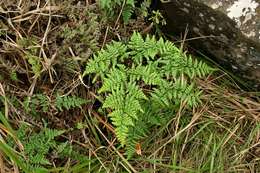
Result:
[
  {"x": 135, "y": 109},
  {"x": 90, "y": 86}
]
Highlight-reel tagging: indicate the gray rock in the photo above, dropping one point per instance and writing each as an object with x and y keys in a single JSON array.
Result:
[
  {"x": 246, "y": 14},
  {"x": 218, "y": 36}
]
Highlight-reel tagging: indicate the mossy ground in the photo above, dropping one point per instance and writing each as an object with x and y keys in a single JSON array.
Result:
[{"x": 44, "y": 47}]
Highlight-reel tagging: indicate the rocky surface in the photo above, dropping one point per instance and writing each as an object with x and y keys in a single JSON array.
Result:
[
  {"x": 246, "y": 14},
  {"x": 218, "y": 36}
]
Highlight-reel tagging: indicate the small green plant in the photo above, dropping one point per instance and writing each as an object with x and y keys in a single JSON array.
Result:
[
  {"x": 157, "y": 18},
  {"x": 110, "y": 6},
  {"x": 41, "y": 103},
  {"x": 31, "y": 49},
  {"x": 69, "y": 102},
  {"x": 36, "y": 104},
  {"x": 144, "y": 81},
  {"x": 35, "y": 63},
  {"x": 13, "y": 76},
  {"x": 37, "y": 146}
]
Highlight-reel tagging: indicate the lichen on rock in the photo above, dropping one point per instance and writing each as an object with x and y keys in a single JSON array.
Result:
[{"x": 246, "y": 14}]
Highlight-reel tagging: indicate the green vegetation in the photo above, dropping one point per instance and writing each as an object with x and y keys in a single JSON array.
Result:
[
  {"x": 89, "y": 86},
  {"x": 158, "y": 66},
  {"x": 110, "y": 8}
]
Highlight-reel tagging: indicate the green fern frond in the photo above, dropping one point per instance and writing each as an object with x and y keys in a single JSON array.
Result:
[
  {"x": 50, "y": 134},
  {"x": 35, "y": 63},
  {"x": 35, "y": 103},
  {"x": 105, "y": 4},
  {"x": 111, "y": 6},
  {"x": 182, "y": 64},
  {"x": 114, "y": 80},
  {"x": 148, "y": 118},
  {"x": 177, "y": 63},
  {"x": 141, "y": 48},
  {"x": 130, "y": 2},
  {"x": 127, "y": 13},
  {"x": 115, "y": 99},
  {"x": 167, "y": 48},
  {"x": 126, "y": 107},
  {"x": 38, "y": 145},
  {"x": 106, "y": 59},
  {"x": 69, "y": 102},
  {"x": 40, "y": 102},
  {"x": 175, "y": 93},
  {"x": 144, "y": 81},
  {"x": 122, "y": 129},
  {"x": 162, "y": 95},
  {"x": 135, "y": 91},
  {"x": 148, "y": 74}
]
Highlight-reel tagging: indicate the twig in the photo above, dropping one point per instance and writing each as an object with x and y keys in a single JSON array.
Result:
[
  {"x": 108, "y": 126},
  {"x": 105, "y": 38},
  {"x": 119, "y": 154},
  {"x": 119, "y": 15}
]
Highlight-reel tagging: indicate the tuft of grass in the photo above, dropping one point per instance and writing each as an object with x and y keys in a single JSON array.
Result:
[{"x": 221, "y": 136}]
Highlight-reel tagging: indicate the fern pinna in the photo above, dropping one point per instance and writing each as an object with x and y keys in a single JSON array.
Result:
[{"x": 144, "y": 82}]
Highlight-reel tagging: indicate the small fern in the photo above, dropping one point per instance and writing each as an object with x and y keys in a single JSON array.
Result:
[
  {"x": 69, "y": 102},
  {"x": 30, "y": 44},
  {"x": 110, "y": 6},
  {"x": 35, "y": 63},
  {"x": 105, "y": 59},
  {"x": 40, "y": 102},
  {"x": 37, "y": 146},
  {"x": 126, "y": 70},
  {"x": 36, "y": 103},
  {"x": 125, "y": 104}
]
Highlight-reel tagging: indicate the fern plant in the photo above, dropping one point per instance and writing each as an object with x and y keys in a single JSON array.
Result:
[
  {"x": 41, "y": 103},
  {"x": 69, "y": 102},
  {"x": 39, "y": 144},
  {"x": 37, "y": 147},
  {"x": 143, "y": 81},
  {"x": 110, "y": 6},
  {"x": 36, "y": 103},
  {"x": 31, "y": 49}
]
